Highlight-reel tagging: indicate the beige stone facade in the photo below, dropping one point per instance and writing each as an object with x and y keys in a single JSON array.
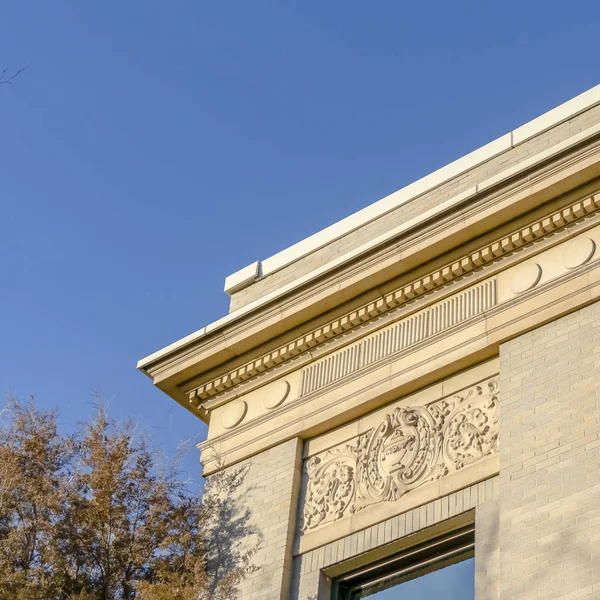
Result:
[{"x": 421, "y": 376}]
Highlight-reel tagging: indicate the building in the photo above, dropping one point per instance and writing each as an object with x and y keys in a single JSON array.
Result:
[{"x": 419, "y": 383}]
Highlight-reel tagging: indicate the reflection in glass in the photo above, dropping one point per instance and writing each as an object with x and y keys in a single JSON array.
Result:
[{"x": 455, "y": 582}]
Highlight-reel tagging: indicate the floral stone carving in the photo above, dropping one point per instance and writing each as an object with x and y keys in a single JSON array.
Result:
[{"x": 411, "y": 447}]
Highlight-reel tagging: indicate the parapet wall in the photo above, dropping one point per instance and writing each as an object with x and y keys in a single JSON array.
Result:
[{"x": 417, "y": 206}]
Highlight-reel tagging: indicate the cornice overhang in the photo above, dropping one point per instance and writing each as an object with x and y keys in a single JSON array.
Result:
[{"x": 261, "y": 328}]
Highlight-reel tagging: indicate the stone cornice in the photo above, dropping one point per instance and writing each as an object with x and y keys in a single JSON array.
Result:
[
  {"x": 488, "y": 253},
  {"x": 560, "y": 291},
  {"x": 183, "y": 372}
]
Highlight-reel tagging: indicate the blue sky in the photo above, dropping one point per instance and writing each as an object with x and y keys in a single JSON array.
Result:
[{"x": 152, "y": 148}]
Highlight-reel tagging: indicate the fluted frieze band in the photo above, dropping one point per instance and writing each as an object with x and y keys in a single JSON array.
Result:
[{"x": 400, "y": 336}]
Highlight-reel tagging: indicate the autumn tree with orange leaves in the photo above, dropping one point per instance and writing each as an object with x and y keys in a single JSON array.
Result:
[{"x": 99, "y": 515}]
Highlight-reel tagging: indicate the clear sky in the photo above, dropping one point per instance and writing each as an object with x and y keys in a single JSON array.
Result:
[{"x": 152, "y": 148}]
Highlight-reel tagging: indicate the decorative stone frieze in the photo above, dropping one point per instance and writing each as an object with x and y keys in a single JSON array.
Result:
[{"x": 411, "y": 447}]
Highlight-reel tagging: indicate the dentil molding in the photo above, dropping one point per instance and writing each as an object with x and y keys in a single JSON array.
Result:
[{"x": 487, "y": 254}]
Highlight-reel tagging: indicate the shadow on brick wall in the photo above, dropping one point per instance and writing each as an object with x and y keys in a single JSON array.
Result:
[{"x": 232, "y": 540}]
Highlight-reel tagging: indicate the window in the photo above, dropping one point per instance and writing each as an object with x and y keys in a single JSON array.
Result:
[{"x": 444, "y": 563}]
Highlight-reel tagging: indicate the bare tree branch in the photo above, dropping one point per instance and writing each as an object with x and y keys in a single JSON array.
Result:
[{"x": 4, "y": 78}]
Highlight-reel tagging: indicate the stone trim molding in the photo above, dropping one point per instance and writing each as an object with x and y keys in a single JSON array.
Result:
[
  {"x": 411, "y": 447},
  {"x": 566, "y": 276},
  {"x": 491, "y": 252},
  {"x": 389, "y": 536},
  {"x": 400, "y": 336}
]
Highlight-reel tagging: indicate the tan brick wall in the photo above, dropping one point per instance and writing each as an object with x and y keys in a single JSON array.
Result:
[
  {"x": 413, "y": 208},
  {"x": 487, "y": 552},
  {"x": 537, "y": 523},
  {"x": 269, "y": 496},
  {"x": 550, "y": 461}
]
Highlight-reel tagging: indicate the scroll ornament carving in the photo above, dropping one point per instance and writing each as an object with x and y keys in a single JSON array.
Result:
[{"x": 411, "y": 447}]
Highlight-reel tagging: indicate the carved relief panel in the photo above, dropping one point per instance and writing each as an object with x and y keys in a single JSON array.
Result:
[{"x": 411, "y": 446}]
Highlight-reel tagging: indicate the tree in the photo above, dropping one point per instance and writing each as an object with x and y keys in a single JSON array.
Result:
[
  {"x": 98, "y": 515},
  {"x": 33, "y": 461}
]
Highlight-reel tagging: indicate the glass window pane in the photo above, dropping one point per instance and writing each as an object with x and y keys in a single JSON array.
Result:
[{"x": 456, "y": 582}]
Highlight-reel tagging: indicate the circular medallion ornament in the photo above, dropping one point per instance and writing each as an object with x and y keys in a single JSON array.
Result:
[
  {"x": 578, "y": 252},
  {"x": 525, "y": 277},
  {"x": 234, "y": 414},
  {"x": 276, "y": 394}
]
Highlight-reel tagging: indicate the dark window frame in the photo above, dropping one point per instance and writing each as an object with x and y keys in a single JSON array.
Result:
[{"x": 416, "y": 561}]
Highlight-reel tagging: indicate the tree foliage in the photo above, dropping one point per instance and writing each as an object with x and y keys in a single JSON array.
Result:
[{"x": 98, "y": 515}]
